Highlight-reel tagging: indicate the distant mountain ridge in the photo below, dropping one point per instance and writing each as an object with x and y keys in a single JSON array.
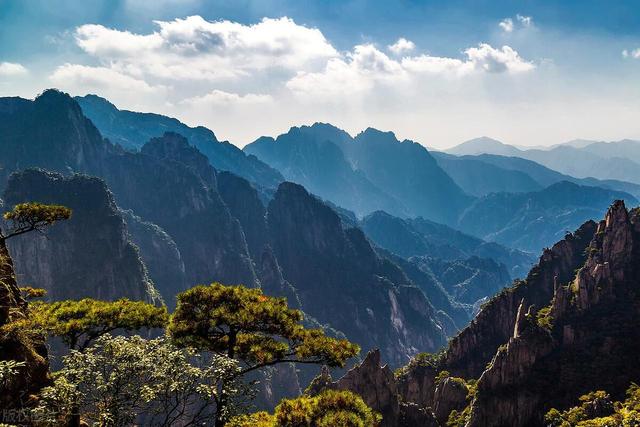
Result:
[
  {"x": 490, "y": 173},
  {"x": 617, "y": 160},
  {"x": 132, "y": 130},
  {"x": 403, "y": 170},
  {"x": 531, "y": 221}
]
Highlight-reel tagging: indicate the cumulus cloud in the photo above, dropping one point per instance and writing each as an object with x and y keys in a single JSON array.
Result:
[
  {"x": 402, "y": 46},
  {"x": 487, "y": 58},
  {"x": 193, "y": 48},
  {"x": 219, "y": 73},
  {"x": 635, "y": 53},
  {"x": 11, "y": 69},
  {"x": 367, "y": 66}
]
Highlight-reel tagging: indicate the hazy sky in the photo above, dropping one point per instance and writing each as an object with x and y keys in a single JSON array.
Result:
[{"x": 524, "y": 72}]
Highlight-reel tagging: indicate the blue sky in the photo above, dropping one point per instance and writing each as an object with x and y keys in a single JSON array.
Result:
[{"x": 529, "y": 73}]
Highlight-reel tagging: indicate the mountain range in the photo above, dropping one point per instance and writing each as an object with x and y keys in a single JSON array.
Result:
[
  {"x": 617, "y": 160},
  {"x": 548, "y": 341}
]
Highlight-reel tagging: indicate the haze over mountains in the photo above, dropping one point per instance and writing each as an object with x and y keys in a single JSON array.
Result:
[
  {"x": 618, "y": 160},
  {"x": 374, "y": 239}
]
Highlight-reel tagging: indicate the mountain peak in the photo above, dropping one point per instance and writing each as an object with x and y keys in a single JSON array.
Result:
[
  {"x": 376, "y": 135},
  {"x": 484, "y": 145}
]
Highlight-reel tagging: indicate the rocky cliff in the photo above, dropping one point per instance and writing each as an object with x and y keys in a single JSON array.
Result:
[
  {"x": 160, "y": 255},
  {"x": 571, "y": 327},
  {"x": 171, "y": 184},
  {"x": 15, "y": 345},
  {"x": 89, "y": 255},
  {"x": 168, "y": 184},
  {"x": 340, "y": 279},
  {"x": 586, "y": 338}
]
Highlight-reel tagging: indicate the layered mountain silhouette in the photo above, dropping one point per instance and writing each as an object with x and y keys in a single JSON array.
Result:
[
  {"x": 618, "y": 160},
  {"x": 132, "y": 130},
  {"x": 198, "y": 225},
  {"x": 532, "y": 221},
  {"x": 405, "y": 170}
]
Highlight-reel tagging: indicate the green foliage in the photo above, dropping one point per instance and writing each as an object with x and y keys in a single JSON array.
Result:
[
  {"x": 30, "y": 293},
  {"x": 243, "y": 323},
  {"x": 26, "y": 217},
  {"x": 328, "y": 409},
  {"x": 117, "y": 379},
  {"x": 8, "y": 370},
  {"x": 431, "y": 360},
  {"x": 78, "y": 323},
  {"x": 461, "y": 418},
  {"x": 597, "y": 410},
  {"x": 544, "y": 318}
]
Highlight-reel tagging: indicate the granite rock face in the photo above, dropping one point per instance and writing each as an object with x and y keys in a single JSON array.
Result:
[
  {"x": 160, "y": 255},
  {"x": 589, "y": 342},
  {"x": 17, "y": 391},
  {"x": 320, "y": 165},
  {"x": 378, "y": 388},
  {"x": 89, "y": 255},
  {"x": 341, "y": 280},
  {"x": 474, "y": 347},
  {"x": 570, "y": 328},
  {"x": 169, "y": 183}
]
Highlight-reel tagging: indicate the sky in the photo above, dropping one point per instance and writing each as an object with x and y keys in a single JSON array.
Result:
[{"x": 437, "y": 72}]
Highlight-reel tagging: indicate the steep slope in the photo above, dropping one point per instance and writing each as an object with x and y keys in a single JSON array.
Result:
[
  {"x": 469, "y": 280},
  {"x": 132, "y": 130},
  {"x": 28, "y": 349},
  {"x": 532, "y": 221},
  {"x": 49, "y": 132},
  {"x": 171, "y": 184},
  {"x": 571, "y": 327},
  {"x": 319, "y": 165},
  {"x": 586, "y": 338},
  {"x": 160, "y": 255},
  {"x": 421, "y": 237},
  {"x": 406, "y": 170},
  {"x": 341, "y": 281},
  {"x": 157, "y": 184},
  {"x": 89, "y": 255}
]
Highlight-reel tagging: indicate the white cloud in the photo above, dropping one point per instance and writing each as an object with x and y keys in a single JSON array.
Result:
[
  {"x": 506, "y": 25},
  {"x": 402, "y": 46},
  {"x": 487, "y": 58},
  {"x": 11, "y": 69},
  {"x": 635, "y": 53},
  {"x": 128, "y": 91},
  {"x": 221, "y": 98},
  {"x": 366, "y": 66},
  {"x": 222, "y": 74},
  {"x": 193, "y": 48}
]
